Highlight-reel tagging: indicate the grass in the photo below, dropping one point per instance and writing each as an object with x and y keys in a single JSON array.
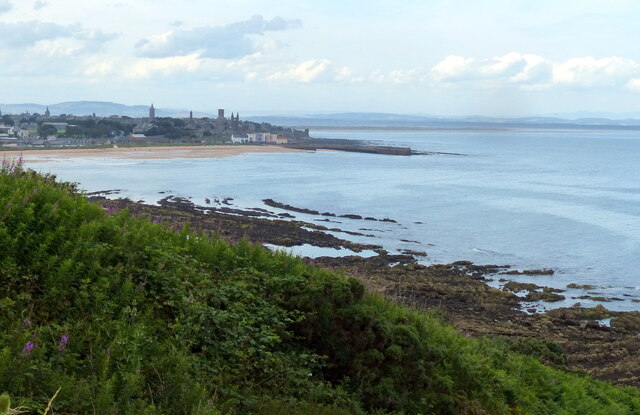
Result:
[{"x": 125, "y": 316}]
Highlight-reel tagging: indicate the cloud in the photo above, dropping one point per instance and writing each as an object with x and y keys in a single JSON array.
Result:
[
  {"x": 218, "y": 42},
  {"x": 453, "y": 68},
  {"x": 512, "y": 67},
  {"x": 532, "y": 71},
  {"x": 5, "y": 6},
  {"x": 28, "y": 34},
  {"x": 99, "y": 69},
  {"x": 25, "y": 34},
  {"x": 589, "y": 71},
  {"x": 634, "y": 84},
  {"x": 396, "y": 76},
  {"x": 147, "y": 68},
  {"x": 38, "y": 4},
  {"x": 305, "y": 72}
]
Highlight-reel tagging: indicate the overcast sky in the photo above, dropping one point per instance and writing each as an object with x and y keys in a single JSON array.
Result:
[{"x": 492, "y": 57}]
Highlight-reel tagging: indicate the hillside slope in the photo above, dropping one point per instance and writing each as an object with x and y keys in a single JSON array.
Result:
[{"x": 127, "y": 316}]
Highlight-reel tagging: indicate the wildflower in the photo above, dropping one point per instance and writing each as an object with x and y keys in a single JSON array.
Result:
[
  {"x": 28, "y": 348},
  {"x": 26, "y": 323},
  {"x": 110, "y": 209},
  {"x": 63, "y": 343},
  {"x": 108, "y": 351}
]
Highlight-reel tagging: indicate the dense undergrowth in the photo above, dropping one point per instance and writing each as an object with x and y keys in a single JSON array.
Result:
[{"x": 122, "y": 315}]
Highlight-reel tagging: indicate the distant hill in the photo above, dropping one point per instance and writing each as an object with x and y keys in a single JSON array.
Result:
[
  {"x": 386, "y": 120},
  {"x": 579, "y": 120},
  {"x": 100, "y": 108}
]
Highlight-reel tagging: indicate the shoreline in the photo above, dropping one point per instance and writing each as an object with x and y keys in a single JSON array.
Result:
[
  {"x": 145, "y": 153},
  {"x": 457, "y": 292}
]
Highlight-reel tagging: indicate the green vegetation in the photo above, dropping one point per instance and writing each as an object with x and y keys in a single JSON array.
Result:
[
  {"x": 96, "y": 128},
  {"x": 121, "y": 315},
  {"x": 45, "y": 130},
  {"x": 6, "y": 120},
  {"x": 172, "y": 128}
]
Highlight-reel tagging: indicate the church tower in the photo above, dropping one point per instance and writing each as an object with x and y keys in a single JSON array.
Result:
[
  {"x": 47, "y": 113},
  {"x": 152, "y": 112}
]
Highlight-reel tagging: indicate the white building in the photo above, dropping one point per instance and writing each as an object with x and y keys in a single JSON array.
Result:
[
  {"x": 239, "y": 140},
  {"x": 266, "y": 138},
  {"x": 23, "y": 134}
]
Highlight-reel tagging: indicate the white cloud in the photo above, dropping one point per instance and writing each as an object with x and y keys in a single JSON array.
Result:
[
  {"x": 589, "y": 71},
  {"x": 345, "y": 74},
  {"x": 305, "y": 72},
  {"x": 99, "y": 69},
  {"x": 220, "y": 42},
  {"x": 146, "y": 68},
  {"x": 38, "y": 4},
  {"x": 512, "y": 67},
  {"x": 453, "y": 68},
  {"x": 28, "y": 34},
  {"x": 634, "y": 84},
  {"x": 532, "y": 71}
]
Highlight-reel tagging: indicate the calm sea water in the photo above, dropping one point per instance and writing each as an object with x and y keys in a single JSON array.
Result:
[{"x": 567, "y": 200}]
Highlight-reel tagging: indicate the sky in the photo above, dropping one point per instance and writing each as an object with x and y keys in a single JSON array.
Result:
[{"x": 448, "y": 57}]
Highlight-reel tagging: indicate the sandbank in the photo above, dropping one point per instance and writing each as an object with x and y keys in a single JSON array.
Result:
[{"x": 159, "y": 152}]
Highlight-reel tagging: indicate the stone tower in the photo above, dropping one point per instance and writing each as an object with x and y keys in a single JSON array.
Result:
[
  {"x": 220, "y": 120},
  {"x": 152, "y": 112},
  {"x": 47, "y": 113}
]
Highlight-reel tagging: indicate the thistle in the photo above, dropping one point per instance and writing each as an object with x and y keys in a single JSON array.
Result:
[
  {"x": 63, "y": 343},
  {"x": 28, "y": 348}
]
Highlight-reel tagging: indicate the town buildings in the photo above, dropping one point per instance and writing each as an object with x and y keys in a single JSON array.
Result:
[{"x": 47, "y": 130}]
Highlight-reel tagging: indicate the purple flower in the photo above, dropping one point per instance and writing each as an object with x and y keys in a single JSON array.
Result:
[
  {"x": 108, "y": 351},
  {"x": 26, "y": 323},
  {"x": 63, "y": 343},
  {"x": 28, "y": 348},
  {"x": 110, "y": 209}
]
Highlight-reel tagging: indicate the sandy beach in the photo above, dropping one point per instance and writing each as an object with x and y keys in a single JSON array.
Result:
[{"x": 160, "y": 152}]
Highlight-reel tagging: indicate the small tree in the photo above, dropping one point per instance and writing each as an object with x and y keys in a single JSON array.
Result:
[{"x": 45, "y": 130}]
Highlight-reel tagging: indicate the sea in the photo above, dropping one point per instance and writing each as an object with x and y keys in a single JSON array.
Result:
[{"x": 567, "y": 200}]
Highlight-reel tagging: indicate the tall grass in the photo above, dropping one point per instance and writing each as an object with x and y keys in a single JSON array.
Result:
[{"x": 122, "y": 315}]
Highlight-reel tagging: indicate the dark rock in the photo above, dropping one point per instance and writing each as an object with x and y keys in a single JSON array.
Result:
[
  {"x": 351, "y": 216},
  {"x": 273, "y": 203},
  {"x": 544, "y": 296},
  {"x": 581, "y": 287}
]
